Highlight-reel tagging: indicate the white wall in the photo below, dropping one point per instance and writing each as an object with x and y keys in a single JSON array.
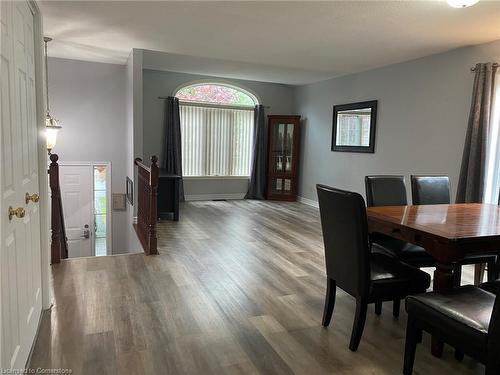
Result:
[
  {"x": 133, "y": 138},
  {"x": 423, "y": 107},
  {"x": 89, "y": 100}
]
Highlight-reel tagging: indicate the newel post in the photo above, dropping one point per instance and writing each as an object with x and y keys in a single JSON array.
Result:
[
  {"x": 153, "y": 217},
  {"x": 55, "y": 219}
]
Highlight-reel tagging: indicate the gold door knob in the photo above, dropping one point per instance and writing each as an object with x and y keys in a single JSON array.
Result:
[
  {"x": 33, "y": 197},
  {"x": 18, "y": 212}
]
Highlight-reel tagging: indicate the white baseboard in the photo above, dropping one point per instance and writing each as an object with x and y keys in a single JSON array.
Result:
[
  {"x": 210, "y": 197},
  {"x": 308, "y": 201}
]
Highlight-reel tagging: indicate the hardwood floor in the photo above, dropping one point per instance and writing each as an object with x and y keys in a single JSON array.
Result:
[{"x": 238, "y": 288}]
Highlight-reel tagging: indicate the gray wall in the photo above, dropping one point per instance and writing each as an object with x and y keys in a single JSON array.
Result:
[
  {"x": 89, "y": 100},
  {"x": 423, "y": 107},
  {"x": 133, "y": 107},
  {"x": 160, "y": 83}
]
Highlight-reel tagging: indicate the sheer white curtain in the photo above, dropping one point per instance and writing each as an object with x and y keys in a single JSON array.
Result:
[
  {"x": 493, "y": 167},
  {"x": 216, "y": 141}
]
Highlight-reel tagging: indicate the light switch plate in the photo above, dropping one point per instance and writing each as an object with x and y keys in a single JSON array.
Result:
[{"x": 119, "y": 202}]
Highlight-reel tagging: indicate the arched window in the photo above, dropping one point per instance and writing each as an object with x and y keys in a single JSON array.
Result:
[
  {"x": 216, "y": 129},
  {"x": 216, "y": 93}
]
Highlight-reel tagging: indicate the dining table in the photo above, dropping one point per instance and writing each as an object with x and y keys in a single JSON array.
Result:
[{"x": 448, "y": 232}]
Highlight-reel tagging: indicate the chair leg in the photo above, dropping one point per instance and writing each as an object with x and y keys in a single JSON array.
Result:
[
  {"x": 479, "y": 273},
  {"x": 457, "y": 276},
  {"x": 419, "y": 337},
  {"x": 497, "y": 268},
  {"x": 492, "y": 270},
  {"x": 492, "y": 365},
  {"x": 459, "y": 356},
  {"x": 412, "y": 336},
  {"x": 378, "y": 308},
  {"x": 359, "y": 324},
  {"x": 492, "y": 370},
  {"x": 331, "y": 291},
  {"x": 396, "y": 304}
]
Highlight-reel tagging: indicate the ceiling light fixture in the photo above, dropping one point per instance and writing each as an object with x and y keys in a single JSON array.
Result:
[
  {"x": 51, "y": 124},
  {"x": 462, "y": 3}
]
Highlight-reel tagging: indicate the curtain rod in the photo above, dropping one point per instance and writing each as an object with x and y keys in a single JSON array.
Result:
[
  {"x": 166, "y": 97},
  {"x": 473, "y": 69}
]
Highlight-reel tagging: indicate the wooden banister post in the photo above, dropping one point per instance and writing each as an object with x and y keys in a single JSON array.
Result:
[
  {"x": 55, "y": 198},
  {"x": 147, "y": 198},
  {"x": 153, "y": 182}
]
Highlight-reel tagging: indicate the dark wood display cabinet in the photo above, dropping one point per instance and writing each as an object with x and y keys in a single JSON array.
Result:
[{"x": 283, "y": 157}]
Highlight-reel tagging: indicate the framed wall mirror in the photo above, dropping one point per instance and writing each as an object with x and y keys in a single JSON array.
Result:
[{"x": 354, "y": 127}]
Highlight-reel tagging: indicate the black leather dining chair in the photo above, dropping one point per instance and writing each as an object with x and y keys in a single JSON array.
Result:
[
  {"x": 468, "y": 318},
  {"x": 388, "y": 190},
  {"x": 350, "y": 265},
  {"x": 491, "y": 286},
  {"x": 430, "y": 189},
  {"x": 436, "y": 190}
]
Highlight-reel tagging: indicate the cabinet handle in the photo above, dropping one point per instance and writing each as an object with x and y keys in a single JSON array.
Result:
[
  {"x": 18, "y": 212},
  {"x": 33, "y": 197}
]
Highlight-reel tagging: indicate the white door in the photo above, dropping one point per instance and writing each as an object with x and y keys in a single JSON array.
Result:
[
  {"x": 76, "y": 193},
  {"x": 20, "y": 253}
]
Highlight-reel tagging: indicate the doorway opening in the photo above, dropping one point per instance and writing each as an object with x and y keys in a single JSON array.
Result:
[{"x": 86, "y": 199}]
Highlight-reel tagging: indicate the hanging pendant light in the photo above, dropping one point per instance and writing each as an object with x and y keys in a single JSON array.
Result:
[{"x": 52, "y": 126}]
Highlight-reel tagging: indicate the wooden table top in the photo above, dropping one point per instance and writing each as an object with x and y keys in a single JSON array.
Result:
[{"x": 450, "y": 221}]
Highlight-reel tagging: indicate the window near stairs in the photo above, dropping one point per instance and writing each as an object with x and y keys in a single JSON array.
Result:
[{"x": 216, "y": 129}]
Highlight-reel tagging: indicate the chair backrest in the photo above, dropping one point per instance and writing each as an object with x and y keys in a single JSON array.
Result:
[
  {"x": 430, "y": 189},
  {"x": 345, "y": 236},
  {"x": 385, "y": 191}
]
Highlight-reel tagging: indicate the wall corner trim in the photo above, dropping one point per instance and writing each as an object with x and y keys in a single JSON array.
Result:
[
  {"x": 210, "y": 197},
  {"x": 308, "y": 201}
]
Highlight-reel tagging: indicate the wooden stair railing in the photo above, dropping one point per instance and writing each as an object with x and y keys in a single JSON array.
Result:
[
  {"x": 59, "y": 242},
  {"x": 147, "y": 198}
]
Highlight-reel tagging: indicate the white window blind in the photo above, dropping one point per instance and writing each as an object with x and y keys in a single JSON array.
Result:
[{"x": 216, "y": 141}]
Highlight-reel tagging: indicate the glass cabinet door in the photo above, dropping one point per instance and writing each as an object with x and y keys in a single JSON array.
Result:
[
  {"x": 281, "y": 185},
  {"x": 282, "y": 147}
]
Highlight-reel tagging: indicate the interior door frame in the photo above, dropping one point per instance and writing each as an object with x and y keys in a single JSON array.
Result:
[
  {"x": 43, "y": 186},
  {"x": 43, "y": 160},
  {"x": 109, "y": 226}
]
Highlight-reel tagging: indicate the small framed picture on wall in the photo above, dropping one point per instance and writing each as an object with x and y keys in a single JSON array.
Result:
[{"x": 130, "y": 191}]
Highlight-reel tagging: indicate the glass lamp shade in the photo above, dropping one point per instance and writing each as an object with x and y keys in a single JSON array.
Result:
[
  {"x": 51, "y": 130},
  {"x": 462, "y": 3}
]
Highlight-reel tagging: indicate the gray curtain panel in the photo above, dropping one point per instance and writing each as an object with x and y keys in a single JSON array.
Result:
[
  {"x": 258, "y": 177},
  {"x": 473, "y": 169},
  {"x": 172, "y": 160}
]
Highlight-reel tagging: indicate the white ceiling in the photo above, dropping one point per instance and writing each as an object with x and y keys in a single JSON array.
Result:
[{"x": 286, "y": 41}]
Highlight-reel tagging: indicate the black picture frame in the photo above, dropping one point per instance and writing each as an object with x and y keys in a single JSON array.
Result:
[
  {"x": 129, "y": 185},
  {"x": 372, "y": 104}
]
